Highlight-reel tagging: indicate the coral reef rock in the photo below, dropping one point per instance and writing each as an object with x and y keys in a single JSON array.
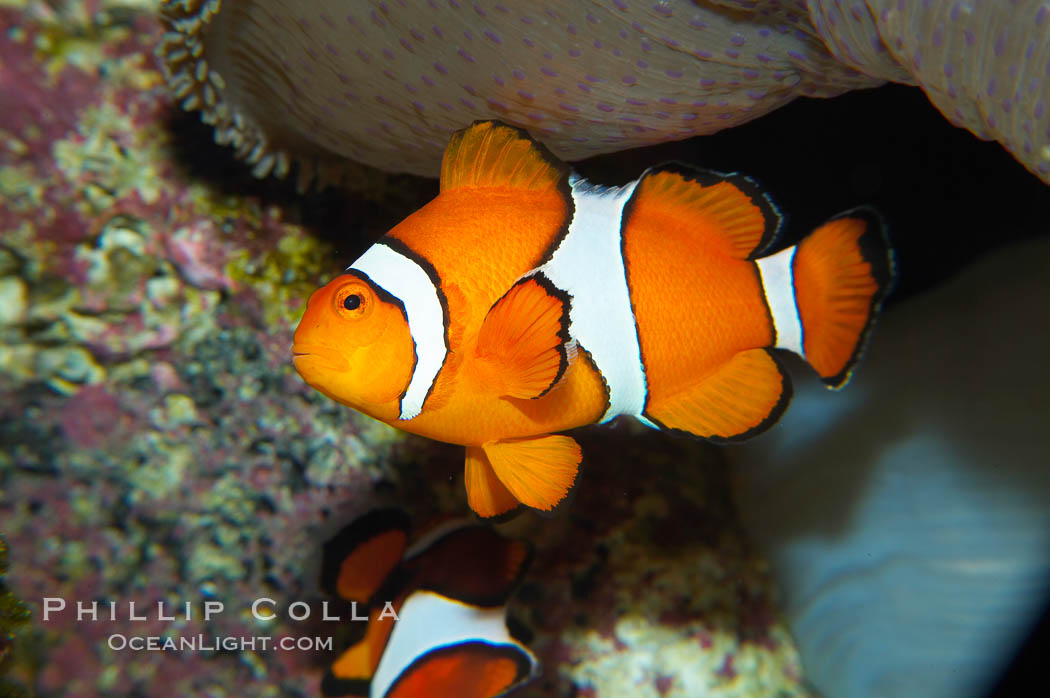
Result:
[{"x": 157, "y": 447}]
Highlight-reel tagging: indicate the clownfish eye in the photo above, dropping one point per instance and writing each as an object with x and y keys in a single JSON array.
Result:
[{"x": 354, "y": 301}]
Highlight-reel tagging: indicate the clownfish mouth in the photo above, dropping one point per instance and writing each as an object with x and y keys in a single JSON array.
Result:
[{"x": 319, "y": 356}]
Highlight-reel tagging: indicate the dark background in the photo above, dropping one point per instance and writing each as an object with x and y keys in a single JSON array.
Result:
[{"x": 946, "y": 196}]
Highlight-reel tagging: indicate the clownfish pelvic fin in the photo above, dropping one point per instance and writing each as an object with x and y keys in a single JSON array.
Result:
[
  {"x": 537, "y": 472},
  {"x": 486, "y": 495}
]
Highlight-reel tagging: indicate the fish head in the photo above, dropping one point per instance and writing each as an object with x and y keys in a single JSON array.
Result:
[{"x": 353, "y": 344}]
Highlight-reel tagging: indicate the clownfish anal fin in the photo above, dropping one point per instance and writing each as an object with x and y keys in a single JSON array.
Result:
[
  {"x": 745, "y": 396},
  {"x": 523, "y": 346},
  {"x": 537, "y": 471},
  {"x": 358, "y": 560},
  {"x": 491, "y": 154},
  {"x": 729, "y": 211},
  {"x": 476, "y": 669}
]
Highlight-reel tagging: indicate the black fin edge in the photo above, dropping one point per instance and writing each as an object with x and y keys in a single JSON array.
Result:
[
  {"x": 775, "y": 220},
  {"x": 352, "y": 536},
  {"x": 787, "y": 391},
  {"x": 559, "y": 510},
  {"x": 877, "y": 250},
  {"x": 563, "y": 333},
  {"x": 544, "y": 152},
  {"x": 564, "y": 185}
]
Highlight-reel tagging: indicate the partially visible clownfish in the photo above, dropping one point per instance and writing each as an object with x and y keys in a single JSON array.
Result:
[
  {"x": 447, "y": 636},
  {"x": 524, "y": 301}
]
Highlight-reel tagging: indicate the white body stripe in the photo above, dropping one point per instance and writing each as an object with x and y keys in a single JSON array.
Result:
[
  {"x": 404, "y": 279},
  {"x": 427, "y": 621},
  {"x": 778, "y": 285},
  {"x": 589, "y": 266}
]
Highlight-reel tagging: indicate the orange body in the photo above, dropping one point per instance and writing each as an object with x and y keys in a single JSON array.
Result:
[{"x": 522, "y": 302}]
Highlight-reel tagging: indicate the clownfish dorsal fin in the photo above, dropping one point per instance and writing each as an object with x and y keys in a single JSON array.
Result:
[
  {"x": 351, "y": 673},
  {"x": 523, "y": 346},
  {"x": 492, "y": 154},
  {"x": 471, "y": 563},
  {"x": 744, "y": 396},
  {"x": 360, "y": 558},
  {"x": 730, "y": 211},
  {"x": 539, "y": 471}
]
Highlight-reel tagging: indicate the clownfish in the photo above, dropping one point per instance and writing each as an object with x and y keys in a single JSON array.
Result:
[
  {"x": 524, "y": 301},
  {"x": 444, "y": 633}
]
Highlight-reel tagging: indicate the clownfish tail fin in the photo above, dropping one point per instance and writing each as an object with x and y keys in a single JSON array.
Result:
[{"x": 823, "y": 294}]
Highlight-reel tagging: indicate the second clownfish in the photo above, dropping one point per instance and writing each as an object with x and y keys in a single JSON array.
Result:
[
  {"x": 437, "y": 617},
  {"x": 524, "y": 301}
]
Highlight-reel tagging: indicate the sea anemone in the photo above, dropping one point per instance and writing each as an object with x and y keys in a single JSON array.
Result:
[{"x": 386, "y": 83}]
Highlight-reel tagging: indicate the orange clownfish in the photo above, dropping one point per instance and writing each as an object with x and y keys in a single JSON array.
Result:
[
  {"x": 524, "y": 301},
  {"x": 444, "y": 632}
]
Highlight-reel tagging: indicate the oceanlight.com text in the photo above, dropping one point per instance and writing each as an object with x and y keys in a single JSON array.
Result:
[
  {"x": 262, "y": 609},
  {"x": 200, "y": 643}
]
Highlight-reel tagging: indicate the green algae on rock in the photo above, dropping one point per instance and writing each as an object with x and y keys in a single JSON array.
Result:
[{"x": 14, "y": 614}]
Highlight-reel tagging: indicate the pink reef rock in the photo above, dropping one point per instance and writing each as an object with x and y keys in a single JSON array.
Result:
[
  {"x": 156, "y": 445},
  {"x": 200, "y": 257}
]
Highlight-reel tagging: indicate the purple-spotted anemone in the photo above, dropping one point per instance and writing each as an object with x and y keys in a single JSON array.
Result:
[{"x": 386, "y": 82}]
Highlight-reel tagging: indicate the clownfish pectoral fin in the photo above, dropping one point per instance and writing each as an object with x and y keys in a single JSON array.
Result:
[
  {"x": 491, "y": 154},
  {"x": 841, "y": 273},
  {"x": 729, "y": 212},
  {"x": 473, "y": 564},
  {"x": 475, "y": 669},
  {"x": 523, "y": 346},
  {"x": 744, "y": 396},
  {"x": 359, "y": 559},
  {"x": 351, "y": 673},
  {"x": 537, "y": 471}
]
